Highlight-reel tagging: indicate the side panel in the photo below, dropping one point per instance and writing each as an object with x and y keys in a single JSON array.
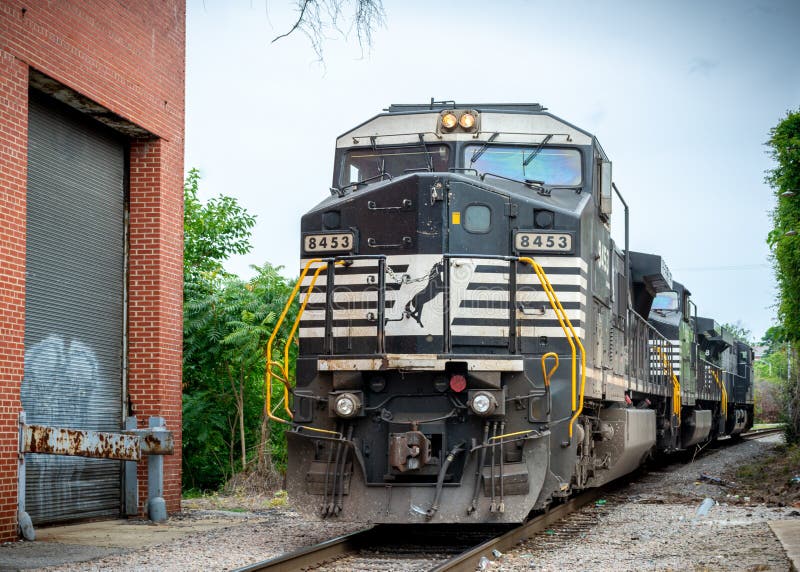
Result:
[{"x": 633, "y": 437}]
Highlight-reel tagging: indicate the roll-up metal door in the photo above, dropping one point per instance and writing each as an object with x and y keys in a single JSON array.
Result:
[{"x": 73, "y": 305}]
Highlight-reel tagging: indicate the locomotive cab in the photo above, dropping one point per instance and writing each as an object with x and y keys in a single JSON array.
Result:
[{"x": 673, "y": 315}]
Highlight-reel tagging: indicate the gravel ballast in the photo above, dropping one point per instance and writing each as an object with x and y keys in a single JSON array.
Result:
[
  {"x": 651, "y": 524},
  {"x": 256, "y": 536}
]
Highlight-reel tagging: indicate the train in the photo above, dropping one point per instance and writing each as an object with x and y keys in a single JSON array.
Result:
[{"x": 473, "y": 344}]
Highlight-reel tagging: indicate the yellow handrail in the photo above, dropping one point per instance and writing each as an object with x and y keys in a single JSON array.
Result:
[
  {"x": 724, "y": 393},
  {"x": 563, "y": 319},
  {"x": 296, "y": 324},
  {"x": 268, "y": 374},
  {"x": 534, "y": 264},
  {"x": 676, "y": 384},
  {"x": 548, "y": 374},
  {"x": 300, "y": 314},
  {"x": 326, "y": 431}
]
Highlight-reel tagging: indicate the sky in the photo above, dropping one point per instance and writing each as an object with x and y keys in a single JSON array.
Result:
[{"x": 681, "y": 95}]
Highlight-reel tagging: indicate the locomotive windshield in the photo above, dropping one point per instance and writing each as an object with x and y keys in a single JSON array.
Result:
[
  {"x": 561, "y": 167},
  {"x": 362, "y": 164},
  {"x": 666, "y": 301}
]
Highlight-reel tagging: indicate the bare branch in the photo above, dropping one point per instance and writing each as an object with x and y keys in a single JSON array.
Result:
[
  {"x": 299, "y": 22},
  {"x": 316, "y": 17}
]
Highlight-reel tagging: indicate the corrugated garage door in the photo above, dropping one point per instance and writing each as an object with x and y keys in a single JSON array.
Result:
[{"x": 73, "y": 305}]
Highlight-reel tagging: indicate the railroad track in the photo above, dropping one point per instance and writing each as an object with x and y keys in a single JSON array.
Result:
[
  {"x": 470, "y": 559},
  {"x": 440, "y": 548},
  {"x": 384, "y": 546},
  {"x": 762, "y": 433},
  {"x": 453, "y": 548}
]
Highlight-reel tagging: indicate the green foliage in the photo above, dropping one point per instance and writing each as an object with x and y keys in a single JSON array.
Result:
[
  {"x": 739, "y": 332},
  {"x": 773, "y": 339},
  {"x": 785, "y": 178},
  {"x": 213, "y": 231},
  {"x": 192, "y": 494},
  {"x": 784, "y": 240},
  {"x": 227, "y": 322},
  {"x": 206, "y": 421},
  {"x": 773, "y": 366}
]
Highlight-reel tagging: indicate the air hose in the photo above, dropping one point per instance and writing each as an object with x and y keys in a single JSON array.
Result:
[{"x": 440, "y": 479}]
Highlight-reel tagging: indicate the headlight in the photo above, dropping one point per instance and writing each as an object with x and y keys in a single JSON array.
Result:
[
  {"x": 466, "y": 121},
  {"x": 483, "y": 403},
  {"x": 346, "y": 405},
  {"x": 458, "y": 121},
  {"x": 449, "y": 120}
]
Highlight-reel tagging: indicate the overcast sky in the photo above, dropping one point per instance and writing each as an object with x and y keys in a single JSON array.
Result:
[{"x": 681, "y": 94}]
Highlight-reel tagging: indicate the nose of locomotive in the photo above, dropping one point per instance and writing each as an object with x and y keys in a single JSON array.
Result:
[{"x": 401, "y": 216}]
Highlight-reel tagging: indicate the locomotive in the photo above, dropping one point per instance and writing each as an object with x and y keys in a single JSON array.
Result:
[{"x": 473, "y": 345}]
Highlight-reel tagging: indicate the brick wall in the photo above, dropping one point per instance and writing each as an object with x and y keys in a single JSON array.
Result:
[
  {"x": 155, "y": 338},
  {"x": 129, "y": 58},
  {"x": 13, "y": 167}
]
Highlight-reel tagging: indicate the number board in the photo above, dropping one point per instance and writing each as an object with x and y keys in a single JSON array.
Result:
[
  {"x": 329, "y": 242},
  {"x": 543, "y": 241}
]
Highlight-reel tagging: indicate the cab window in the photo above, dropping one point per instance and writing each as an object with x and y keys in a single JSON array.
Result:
[
  {"x": 666, "y": 301},
  {"x": 553, "y": 166},
  {"x": 363, "y": 164}
]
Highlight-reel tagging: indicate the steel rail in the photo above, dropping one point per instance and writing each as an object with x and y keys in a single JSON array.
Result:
[
  {"x": 468, "y": 561},
  {"x": 316, "y": 554},
  {"x": 761, "y": 433}
]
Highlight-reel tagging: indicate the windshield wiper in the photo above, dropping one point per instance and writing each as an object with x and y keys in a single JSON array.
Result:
[
  {"x": 428, "y": 159},
  {"x": 477, "y": 154},
  {"x": 663, "y": 311},
  {"x": 578, "y": 190},
  {"x": 380, "y": 160},
  {"x": 532, "y": 184},
  {"x": 540, "y": 187},
  {"x": 340, "y": 191},
  {"x": 535, "y": 152}
]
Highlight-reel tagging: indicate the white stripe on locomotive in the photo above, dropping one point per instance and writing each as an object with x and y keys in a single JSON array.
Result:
[{"x": 485, "y": 302}]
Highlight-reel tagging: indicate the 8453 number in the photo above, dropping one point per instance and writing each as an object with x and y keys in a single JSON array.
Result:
[
  {"x": 333, "y": 242},
  {"x": 543, "y": 241}
]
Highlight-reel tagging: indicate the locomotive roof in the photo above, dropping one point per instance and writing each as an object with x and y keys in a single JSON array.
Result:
[
  {"x": 440, "y": 105},
  {"x": 520, "y": 122}
]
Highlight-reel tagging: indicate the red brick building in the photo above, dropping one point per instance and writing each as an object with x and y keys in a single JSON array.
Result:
[{"x": 91, "y": 211}]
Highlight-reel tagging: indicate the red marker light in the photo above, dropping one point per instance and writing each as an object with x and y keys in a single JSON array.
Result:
[{"x": 458, "y": 383}]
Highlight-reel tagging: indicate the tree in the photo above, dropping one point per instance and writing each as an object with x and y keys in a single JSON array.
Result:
[
  {"x": 784, "y": 241},
  {"x": 773, "y": 339},
  {"x": 739, "y": 332},
  {"x": 317, "y": 17},
  {"x": 226, "y": 325},
  {"x": 212, "y": 232}
]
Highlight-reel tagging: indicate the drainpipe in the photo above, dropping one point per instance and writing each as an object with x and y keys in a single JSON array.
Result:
[{"x": 156, "y": 505}]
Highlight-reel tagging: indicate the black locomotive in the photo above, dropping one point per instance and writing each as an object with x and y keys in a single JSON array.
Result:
[{"x": 473, "y": 344}]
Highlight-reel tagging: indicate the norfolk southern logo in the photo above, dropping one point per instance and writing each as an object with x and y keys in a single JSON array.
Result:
[{"x": 435, "y": 285}]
